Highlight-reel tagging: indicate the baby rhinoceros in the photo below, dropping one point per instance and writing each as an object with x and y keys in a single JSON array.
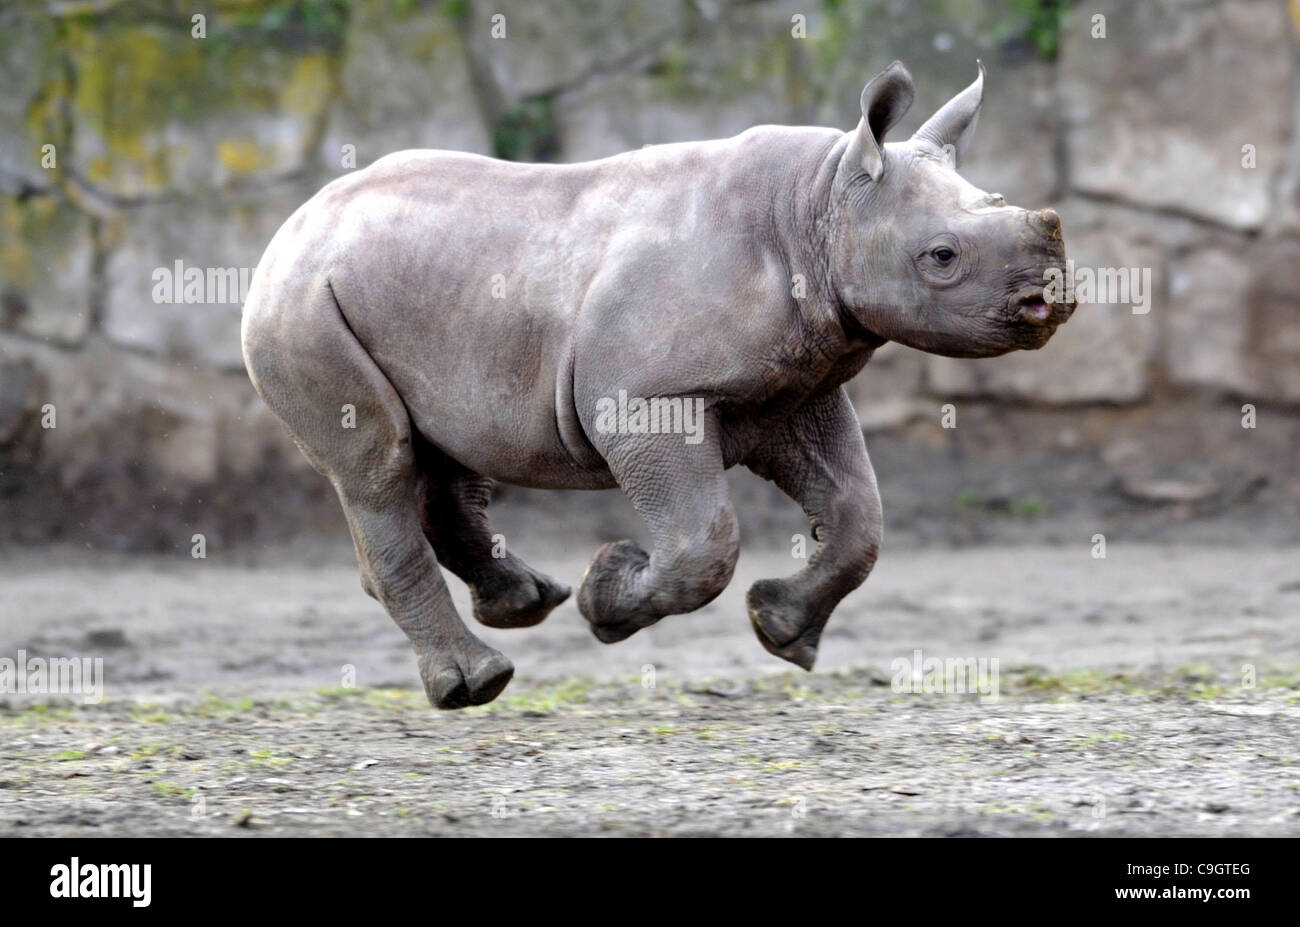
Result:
[{"x": 645, "y": 321}]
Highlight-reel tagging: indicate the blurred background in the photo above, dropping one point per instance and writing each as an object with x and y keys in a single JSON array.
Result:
[{"x": 1167, "y": 134}]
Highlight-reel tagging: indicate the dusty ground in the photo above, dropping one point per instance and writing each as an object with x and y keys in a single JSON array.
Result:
[{"x": 1121, "y": 706}]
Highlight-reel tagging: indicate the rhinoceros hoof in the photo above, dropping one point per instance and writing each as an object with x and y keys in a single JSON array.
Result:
[
  {"x": 450, "y": 685},
  {"x": 521, "y": 605},
  {"x": 782, "y": 622},
  {"x": 601, "y": 597}
]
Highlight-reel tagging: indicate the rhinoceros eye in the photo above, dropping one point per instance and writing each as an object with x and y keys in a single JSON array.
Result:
[{"x": 944, "y": 255}]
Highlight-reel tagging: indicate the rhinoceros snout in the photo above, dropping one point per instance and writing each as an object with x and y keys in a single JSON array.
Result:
[{"x": 1034, "y": 305}]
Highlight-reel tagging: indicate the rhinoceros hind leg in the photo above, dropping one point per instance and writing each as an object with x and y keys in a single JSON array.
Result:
[
  {"x": 352, "y": 425},
  {"x": 521, "y": 604},
  {"x": 506, "y": 591}
]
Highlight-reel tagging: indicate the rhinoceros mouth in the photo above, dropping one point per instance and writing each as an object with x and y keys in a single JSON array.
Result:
[
  {"x": 1034, "y": 310},
  {"x": 1029, "y": 306}
]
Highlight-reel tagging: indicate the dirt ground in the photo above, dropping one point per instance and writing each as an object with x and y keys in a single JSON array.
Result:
[{"x": 229, "y": 707}]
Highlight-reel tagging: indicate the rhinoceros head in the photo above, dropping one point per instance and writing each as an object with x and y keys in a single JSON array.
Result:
[{"x": 920, "y": 256}]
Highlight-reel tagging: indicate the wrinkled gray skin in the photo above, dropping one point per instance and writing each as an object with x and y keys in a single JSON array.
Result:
[{"x": 474, "y": 311}]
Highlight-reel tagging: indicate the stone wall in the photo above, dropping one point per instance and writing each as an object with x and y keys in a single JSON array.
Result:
[{"x": 167, "y": 147}]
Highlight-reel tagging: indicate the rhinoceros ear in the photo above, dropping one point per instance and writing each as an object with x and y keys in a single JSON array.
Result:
[
  {"x": 884, "y": 101},
  {"x": 954, "y": 123}
]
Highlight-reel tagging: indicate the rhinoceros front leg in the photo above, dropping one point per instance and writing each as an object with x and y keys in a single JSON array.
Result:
[
  {"x": 681, "y": 494},
  {"x": 820, "y": 460}
]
